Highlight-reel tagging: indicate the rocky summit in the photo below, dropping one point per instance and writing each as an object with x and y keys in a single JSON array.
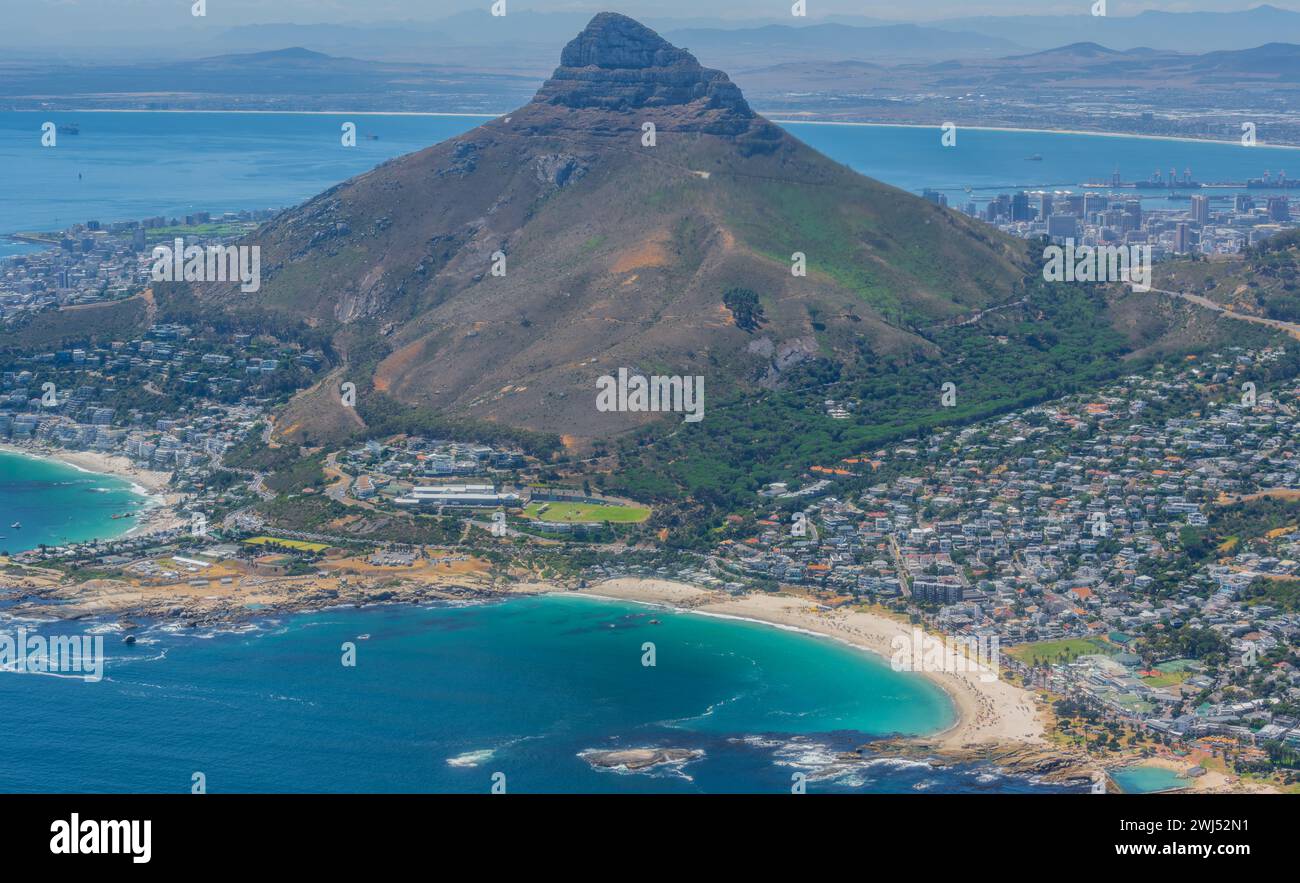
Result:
[
  {"x": 618, "y": 74},
  {"x": 620, "y": 64}
]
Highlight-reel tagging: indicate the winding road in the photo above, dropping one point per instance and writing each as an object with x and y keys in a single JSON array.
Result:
[{"x": 1291, "y": 328}]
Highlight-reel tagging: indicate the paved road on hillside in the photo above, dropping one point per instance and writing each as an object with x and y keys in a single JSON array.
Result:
[{"x": 1289, "y": 327}]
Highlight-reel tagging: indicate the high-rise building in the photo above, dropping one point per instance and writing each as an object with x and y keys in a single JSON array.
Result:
[
  {"x": 1201, "y": 209},
  {"x": 1020, "y": 206},
  {"x": 1061, "y": 226},
  {"x": 1279, "y": 211},
  {"x": 1133, "y": 210},
  {"x": 1094, "y": 203}
]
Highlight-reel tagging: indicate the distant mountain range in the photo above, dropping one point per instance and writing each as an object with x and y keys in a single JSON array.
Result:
[
  {"x": 780, "y": 60},
  {"x": 1071, "y": 65},
  {"x": 292, "y": 78},
  {"x": 1273, "y": 68},
  {"x": 732, "y": 43},
  {"x": 525, "y": 40},
  {"x": 1174, "y": 31},
  {"x": 744, "y": 46},
  {"x": 532, "y": 37}
]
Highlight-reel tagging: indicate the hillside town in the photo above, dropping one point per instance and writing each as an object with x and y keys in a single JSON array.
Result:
[
  {"x": 1085, "y": 535},
  {"x": 95, "y": 263},
  {"x": 1076, "y": 527}
]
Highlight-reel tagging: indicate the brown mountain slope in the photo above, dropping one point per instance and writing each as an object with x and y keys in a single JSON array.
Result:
[{"x": 617, "y": 254}]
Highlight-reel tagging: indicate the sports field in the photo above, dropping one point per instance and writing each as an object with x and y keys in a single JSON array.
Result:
[
  {"x": 586, "y": 513},
  {"x": 299, "y": 545},
  {"x": 1066, "y": 650}
]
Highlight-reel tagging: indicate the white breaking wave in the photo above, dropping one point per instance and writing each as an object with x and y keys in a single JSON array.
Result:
[{"x": 472, "y": 758}]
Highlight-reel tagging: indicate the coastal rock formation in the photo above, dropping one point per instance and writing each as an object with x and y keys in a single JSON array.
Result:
[
  {"x": 1055, "y": 766},
  {"x": 636, "y": 760}
]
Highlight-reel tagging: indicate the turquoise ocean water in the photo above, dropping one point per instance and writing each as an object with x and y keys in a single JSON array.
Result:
[
  {"x": 57, "y": 504},
  {"x": 442, "y": 697},
  {"x": 1146, "y": 779}
]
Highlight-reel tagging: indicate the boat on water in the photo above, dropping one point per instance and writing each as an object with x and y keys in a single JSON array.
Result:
[
  {"x": 69, "y": 129},
  {"x": 17, "y": 525},
  {"x": 1037, "y": 157}
]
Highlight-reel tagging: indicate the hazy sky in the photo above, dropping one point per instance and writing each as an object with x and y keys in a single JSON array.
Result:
[
  {"x": 62, "y": 27},
  {"x": 52, "y": 16}
]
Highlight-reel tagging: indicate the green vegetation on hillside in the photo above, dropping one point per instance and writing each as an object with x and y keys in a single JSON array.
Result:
[
  {"x": 304, "y": 472},
  {"x": 54, "y": 329},
  {"x": 1262, "y": 281},
  {"x": 1283, "y": 594},
  {"x": 1060, "y": 343},
  {"x": 385, "y": 416},
  {"x": 1239, "y": 523},
  {"x": 745, "y": 308}
]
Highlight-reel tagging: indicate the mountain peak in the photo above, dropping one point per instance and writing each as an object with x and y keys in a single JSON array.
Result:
[
  {"x": 619, "y": 64},
  {"x": 612, "y": 40}
]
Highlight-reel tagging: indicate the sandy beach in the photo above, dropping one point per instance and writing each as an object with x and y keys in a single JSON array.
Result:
[
  {"x": 993, "y": 712},
  {"x": 161, "y": 515},
  {"x": 153, "y": 481}
]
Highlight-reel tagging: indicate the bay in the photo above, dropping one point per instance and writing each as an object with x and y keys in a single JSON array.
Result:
[
  {"x": 57, "y": 504},
  {"x": 443, "y": 697}
]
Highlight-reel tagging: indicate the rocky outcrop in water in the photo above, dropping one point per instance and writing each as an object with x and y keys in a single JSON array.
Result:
[{"x": 635, "y": 760}]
